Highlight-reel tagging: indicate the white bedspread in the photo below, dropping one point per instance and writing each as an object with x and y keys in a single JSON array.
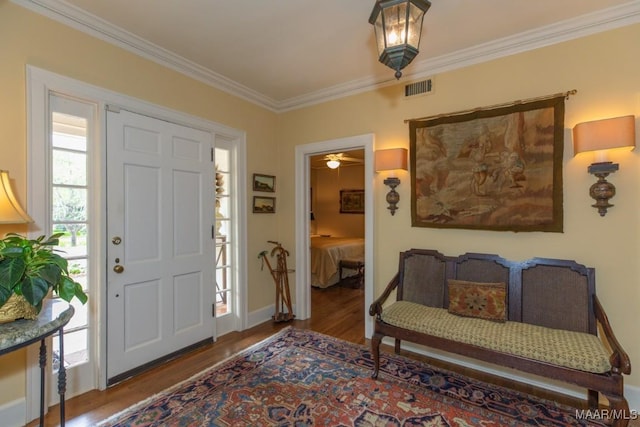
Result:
[{"x": 326, "y": 253}]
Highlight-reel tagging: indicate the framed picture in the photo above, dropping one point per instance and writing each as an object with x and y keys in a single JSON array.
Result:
[
  {"x": 264, "y": 204},
  {"x": 352, "y": 201},
  {"x": 492, "y": 169},
  {"x": 266, "y": 183}
]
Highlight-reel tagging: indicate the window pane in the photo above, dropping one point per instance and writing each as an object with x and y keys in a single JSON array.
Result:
[
  {"x": 75, "y": 349},
  {"x": 223, "y": 227},
  {"x": 223, "y": 303},
  {"x": 78, "y": 271},
  {"x": 69, "y": 131},
  {"x": 79, "y": 318},
  {"x": 223, "y": 279},
  {"x": 69, "y": 168},
  {"x": 222, "y": 160},
  {"x": 70, "y": 142},
  {"x": 73, "y": 243},
  {"x": 69, "y": 204}
]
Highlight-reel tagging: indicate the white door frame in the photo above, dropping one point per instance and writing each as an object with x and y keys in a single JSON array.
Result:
[
  {"x": 303, "y": 183},
  {"x": 39, "y": 83}
]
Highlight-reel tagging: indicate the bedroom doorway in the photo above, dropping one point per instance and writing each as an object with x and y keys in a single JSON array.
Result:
[{"x": 304, "y": 226}]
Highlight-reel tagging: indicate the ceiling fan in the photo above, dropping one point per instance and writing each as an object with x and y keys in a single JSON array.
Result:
[{"x": 334, "y": 160}]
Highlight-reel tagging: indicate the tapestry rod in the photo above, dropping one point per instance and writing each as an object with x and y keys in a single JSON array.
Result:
[{"x": 508, "y": 104}]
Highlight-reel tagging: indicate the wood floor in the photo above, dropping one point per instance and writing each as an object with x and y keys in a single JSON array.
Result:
[{"x": 336, "y": 311}]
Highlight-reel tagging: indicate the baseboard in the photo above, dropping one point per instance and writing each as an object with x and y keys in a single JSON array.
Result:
[
  {"x": 13, "y": 413},
  {"x": 265, "y": 314},
  {"x": 260, "y": 316},
  {"x": 632, "y": 393}
]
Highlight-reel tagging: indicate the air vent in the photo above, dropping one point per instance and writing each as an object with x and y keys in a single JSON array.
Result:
[{"x": 418, "y": 88}]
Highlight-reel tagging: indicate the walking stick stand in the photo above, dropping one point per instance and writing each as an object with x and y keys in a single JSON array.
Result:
[{"x": 281, "y": 279}]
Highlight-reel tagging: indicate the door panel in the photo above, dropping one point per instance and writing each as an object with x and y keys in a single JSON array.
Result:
[{"x": 160, "y": 205}]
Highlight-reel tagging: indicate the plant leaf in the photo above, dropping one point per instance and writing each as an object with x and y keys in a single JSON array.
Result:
[
  {"x": 51, "y": 273},
  {"x": 66, "y": 288},
  {"x": 11, "y": 271},
  {"x": 79, "y": 293},
  {"x": 34, "y": 289},
  {"x": 5, "y": 294}
]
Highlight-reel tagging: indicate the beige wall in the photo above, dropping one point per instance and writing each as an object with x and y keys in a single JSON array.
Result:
[
  {"x": 28, "y": 38},
  {"x": 605, "y": 69},
  {"x": 327, "y": 184}
]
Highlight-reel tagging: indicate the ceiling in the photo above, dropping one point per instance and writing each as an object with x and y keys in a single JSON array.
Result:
[{"x": 283, "y": 54}]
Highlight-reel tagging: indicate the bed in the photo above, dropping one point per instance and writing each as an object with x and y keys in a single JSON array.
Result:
[{"x": 326, "y": 253}]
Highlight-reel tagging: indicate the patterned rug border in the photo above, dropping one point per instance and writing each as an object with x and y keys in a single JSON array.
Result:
[
  {"x": 193, "y": 377},
  {"x": 395, "y": 368}
]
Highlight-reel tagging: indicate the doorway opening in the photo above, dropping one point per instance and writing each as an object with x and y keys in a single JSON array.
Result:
[{"x": 304, "y": 192}]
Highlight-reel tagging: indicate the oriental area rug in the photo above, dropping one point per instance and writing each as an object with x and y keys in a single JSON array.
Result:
[{"x": 303, "y": 378}]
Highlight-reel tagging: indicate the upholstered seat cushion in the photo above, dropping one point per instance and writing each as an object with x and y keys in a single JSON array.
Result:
[{"x": 559, "y": 347}]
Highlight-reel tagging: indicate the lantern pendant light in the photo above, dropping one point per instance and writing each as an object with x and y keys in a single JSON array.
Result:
[{"x": 398, "y": 26}]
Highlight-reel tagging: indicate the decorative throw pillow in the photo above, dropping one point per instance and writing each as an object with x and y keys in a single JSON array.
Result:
[{"x": 477, "y": 299}]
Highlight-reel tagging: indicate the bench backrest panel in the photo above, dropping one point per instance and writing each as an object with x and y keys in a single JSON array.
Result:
[
  {"x": 546, "y": 292},
  {"x": 422, "y": 274},
  {"x": 556, "y": 297}
]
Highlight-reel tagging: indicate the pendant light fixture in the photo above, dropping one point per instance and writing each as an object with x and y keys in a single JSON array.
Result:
[{"x": 398, "y": 27}]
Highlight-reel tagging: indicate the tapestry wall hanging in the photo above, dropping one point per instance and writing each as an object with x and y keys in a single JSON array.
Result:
[{"x": 490, "y": 169}]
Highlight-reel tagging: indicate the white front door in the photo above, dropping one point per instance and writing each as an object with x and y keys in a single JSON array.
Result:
[{"x": 161, "y": 251}]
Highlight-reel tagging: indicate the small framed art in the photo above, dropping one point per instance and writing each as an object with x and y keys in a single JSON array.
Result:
[
  {"x": 352, "y": 201},
  {"x": 264, "y": 204},
  {"x": 266, "y": 183}
]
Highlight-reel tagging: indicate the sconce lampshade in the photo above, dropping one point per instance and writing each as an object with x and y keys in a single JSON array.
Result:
[
  {"x": 391, "y": 159},
  {"x": 604, "y": 134},
  {"x": 398, "y": 26},
  {"x": 10, "y": 210}
]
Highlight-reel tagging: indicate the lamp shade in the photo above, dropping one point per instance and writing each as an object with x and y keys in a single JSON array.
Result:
[
  {"x": 333, "y": 164},
  {"x": 604, "y": 134},
  {"x": 398, "y": 26},
  {"x": 391, "y": 159},
  {"x": 10, "y": 210}
]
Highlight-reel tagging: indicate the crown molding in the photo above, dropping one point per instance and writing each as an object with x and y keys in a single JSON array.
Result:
[
  {"x": 581, "y": 26},
  {"x": 74, "y": 17},
  {"x": 585, "y": 25}
]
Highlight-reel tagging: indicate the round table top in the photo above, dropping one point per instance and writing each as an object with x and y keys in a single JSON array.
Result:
[{"x": 20, "y": 333}]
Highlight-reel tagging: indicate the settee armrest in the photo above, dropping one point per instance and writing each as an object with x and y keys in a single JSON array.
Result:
[
  {"x": 619, "y": 359},
  {"x": 376, "y": 307}
]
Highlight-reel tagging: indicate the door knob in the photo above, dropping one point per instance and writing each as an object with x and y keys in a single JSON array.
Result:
[
  {"x": 116, "y": 240},
  {"x": 118, "y": 268}
]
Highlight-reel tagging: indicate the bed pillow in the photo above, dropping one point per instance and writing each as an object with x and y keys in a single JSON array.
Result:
[{"x": 477, "y": 299}]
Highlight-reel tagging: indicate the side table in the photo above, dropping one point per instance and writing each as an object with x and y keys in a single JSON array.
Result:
[{"x": 21, "y": 333}]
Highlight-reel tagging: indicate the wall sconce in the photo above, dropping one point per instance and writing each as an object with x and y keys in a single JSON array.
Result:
[
  {"x": 600, "y": 135},
  {"x": 10, "y": 210},
  {"x": 390, "y": 160}
]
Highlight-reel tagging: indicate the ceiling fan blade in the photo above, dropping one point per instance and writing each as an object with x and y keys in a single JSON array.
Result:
[{"x": 351, "y": 159}]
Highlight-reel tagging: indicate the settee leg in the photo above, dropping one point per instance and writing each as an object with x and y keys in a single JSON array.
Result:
[
  {"x": 375, "y": 352},
  {"x": 592, "y": 399},
  {"x": 397, "y": 346},
  {"x": 618, "y": 410}
]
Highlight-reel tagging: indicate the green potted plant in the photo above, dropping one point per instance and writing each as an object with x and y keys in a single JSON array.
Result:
[{"x": 29, "y": 270}]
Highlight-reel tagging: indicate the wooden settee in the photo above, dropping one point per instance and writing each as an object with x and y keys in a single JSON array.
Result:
[{"x": 548, "y": 298}]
